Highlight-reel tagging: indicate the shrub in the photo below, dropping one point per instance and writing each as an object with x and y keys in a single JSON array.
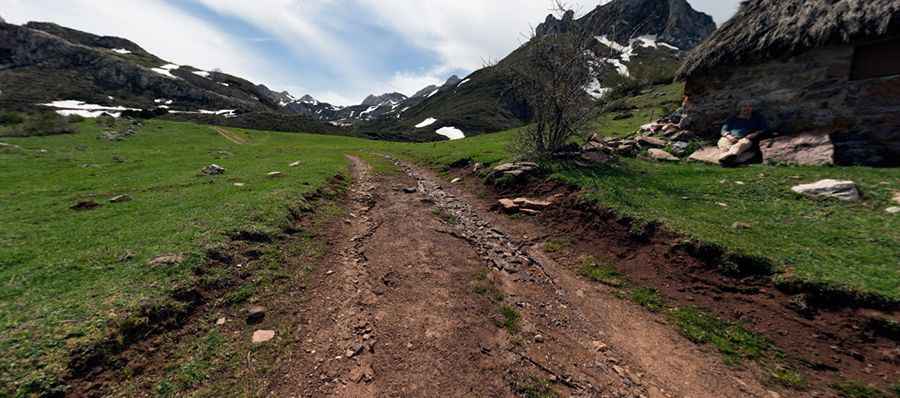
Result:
[
  {"x": 42, "y": 124},
  {"x": 7, "y": 118}
]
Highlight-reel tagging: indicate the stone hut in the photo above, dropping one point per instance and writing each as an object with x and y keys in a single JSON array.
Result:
[{"x": 825, "y": 73}]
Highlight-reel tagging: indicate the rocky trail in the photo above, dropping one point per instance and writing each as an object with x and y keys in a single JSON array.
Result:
[{"x": 425, "y": 294}]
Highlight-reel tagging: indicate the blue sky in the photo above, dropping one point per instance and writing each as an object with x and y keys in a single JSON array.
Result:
[{"x": 337, "y": 50}]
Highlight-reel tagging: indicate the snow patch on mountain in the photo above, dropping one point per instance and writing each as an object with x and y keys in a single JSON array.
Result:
[
  {"x": 426, "y": 122},
  {"x": 202, "y": 73},
  {"x": 451, "y": 133},
  {"x": 121, "y": 51},
  {"x": 462, "y": 83},
  {"x": 166, "y": 70}
]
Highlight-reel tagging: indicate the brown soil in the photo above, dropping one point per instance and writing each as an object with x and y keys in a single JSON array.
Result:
[
  {"x": 406, "y": 306},
  {"x": 432, "y": 293},
  {"x": 829, "y": 344}
]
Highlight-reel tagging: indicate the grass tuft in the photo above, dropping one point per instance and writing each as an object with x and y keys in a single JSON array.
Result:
[
  {"x": 648, "y": 298},
  {"x": 856, "y": 389},
  {"x": 734, "y": 341},
  {"x": 592, "y": 269},
  {"x": 511, "y": 319}
]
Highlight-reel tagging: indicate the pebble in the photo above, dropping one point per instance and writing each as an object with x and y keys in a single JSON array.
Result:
[
  {"x": 262, "y": 336},
  {"x": 255, "y": 314}
]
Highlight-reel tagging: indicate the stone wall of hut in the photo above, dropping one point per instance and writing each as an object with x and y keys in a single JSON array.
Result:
[{"x": 808, "y": 93}]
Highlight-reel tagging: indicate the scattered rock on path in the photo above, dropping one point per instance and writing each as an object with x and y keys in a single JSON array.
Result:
[
  {"x": 262, "y": 336},
  {"x": 221, "y": 321},
  {"x": 85, "y": 205},
  {"x": 166, "y": 259},
  {"x": 508, "y": 205},
  {"x": 531, "y": 203},
  {"x": 660, "y": 154},
  {"x": 255, "y": 314},
  {"x": 456, "y": 180},
  {"x": 842, "y": 190},
  {"x": 410, "y": 190},
  {"x": 120, "y": 199},
  {"x": 213, "y": 170}
]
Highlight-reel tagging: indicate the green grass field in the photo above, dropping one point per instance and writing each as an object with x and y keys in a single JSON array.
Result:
[{"x": 66, "y": 275}]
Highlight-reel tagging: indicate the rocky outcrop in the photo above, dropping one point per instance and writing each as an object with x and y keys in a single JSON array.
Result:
[
  {"x": 671, "y": 21},
  {"x": 552, "y": 25},
  {"x": 373, "y": 100},
  {"x": 808, "y": 149}
]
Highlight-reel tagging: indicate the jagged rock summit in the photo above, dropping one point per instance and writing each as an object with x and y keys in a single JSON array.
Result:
[{"x": 671, "y": 21}]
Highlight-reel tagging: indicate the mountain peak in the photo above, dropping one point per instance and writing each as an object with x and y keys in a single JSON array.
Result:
[
  {"x": 373, "y": 100},
  {"x": 452, "y": 81}
]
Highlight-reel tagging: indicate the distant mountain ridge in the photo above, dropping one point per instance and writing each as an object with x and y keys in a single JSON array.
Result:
[{"x": 43, "y": 62}]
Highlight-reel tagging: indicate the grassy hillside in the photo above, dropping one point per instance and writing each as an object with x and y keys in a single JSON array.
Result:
[{"x": 67, "y": 276}]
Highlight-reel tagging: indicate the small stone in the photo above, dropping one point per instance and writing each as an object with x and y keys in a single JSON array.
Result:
[
  {"x": 410, "y": 190},
  {"x": 275, "y": 174},
  {"x": 896, "y": 197},
  {"x": 262, "y": 336},
  {"x": 456, "y": 180},
  {"x": 530, "y": 212},
  {"x": 213, "y": 170},
  {"x": 660, "y": 154},
  {"x": 707, "y": 155},
  {"x": 221, "y": 321},
  {"x": 599, "y": 346},
  {"x": 255, "y": 314},
  {"x": 722, "y": 204},
  {"x": 295, "y": 164},
  {"x": 539, "y": 338},
  {"x": 239, "y": 184},
  {"x": 120, "y": 199},
  {"x": 842, "y": 190},
  {"x": 741, "y": 225},
  {"x": 893, "y": 210},
  {"x": 166, "y": 259}
]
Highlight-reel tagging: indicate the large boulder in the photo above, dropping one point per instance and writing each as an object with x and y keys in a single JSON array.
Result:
[
  {"x": 842, "y": 190},
  {"x": 807, "y": 149}
]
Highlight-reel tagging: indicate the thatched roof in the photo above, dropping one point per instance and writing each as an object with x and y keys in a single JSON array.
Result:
[{"x": 770, "y": 29}]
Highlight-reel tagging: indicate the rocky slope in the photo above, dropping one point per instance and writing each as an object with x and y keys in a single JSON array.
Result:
[{"x": 43, "y": 62}]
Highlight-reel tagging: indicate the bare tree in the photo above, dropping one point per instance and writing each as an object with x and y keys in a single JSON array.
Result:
[{"x": 554, "y": 71}]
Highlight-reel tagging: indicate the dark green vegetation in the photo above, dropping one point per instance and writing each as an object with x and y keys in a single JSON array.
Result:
[
  {"x": 71, "y": 278},
  {"x": 15, "y": 124},
  {"x": 855, "y": 389},
  {"x": 510, "y": 319},
  {"x": 732, "y": 340}
]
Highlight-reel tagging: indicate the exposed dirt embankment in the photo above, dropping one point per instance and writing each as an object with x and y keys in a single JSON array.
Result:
[{"x": 828, "y": 339}]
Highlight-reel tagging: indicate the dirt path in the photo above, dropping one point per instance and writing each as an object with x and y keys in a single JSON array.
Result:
[
  {"x": 423, "y": 295},
  {"x": 231, "y": 136}
]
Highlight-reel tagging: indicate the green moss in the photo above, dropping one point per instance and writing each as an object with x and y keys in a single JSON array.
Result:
[{"x": 647, "y": 298}]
